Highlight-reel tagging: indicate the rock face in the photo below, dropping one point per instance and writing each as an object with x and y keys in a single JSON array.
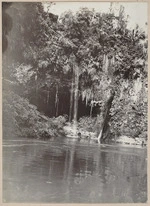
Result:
[{"x": 79, "y": 133}]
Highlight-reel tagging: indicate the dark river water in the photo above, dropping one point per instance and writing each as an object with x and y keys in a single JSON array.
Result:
[{"x": 73, "y": 172}]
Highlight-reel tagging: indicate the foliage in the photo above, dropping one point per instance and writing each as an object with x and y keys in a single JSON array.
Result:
[
  {"x": 87, "y": 123},
  {"x": 86, "y": 54},
  {"x": 129, "y": 112},
  {"x": 20, "y": 118}
]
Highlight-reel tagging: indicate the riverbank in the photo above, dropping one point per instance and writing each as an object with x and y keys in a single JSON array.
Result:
[{"x": 81, "y": 134}]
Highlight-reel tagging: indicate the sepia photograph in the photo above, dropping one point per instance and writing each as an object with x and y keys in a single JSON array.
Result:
[{"x": 74, "y": 102}]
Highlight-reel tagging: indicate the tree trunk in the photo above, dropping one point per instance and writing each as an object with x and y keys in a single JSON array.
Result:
[
  {"x": 91, "y": 109},
  {"x": 57, "y": 108},
  {"x": 56, "y": 101},
  {"x": 76, "y": 88},
  {"x": 48, "y": 92},
  {"x": 71, "y": 100},
  {"x": 105, "y": 118},
  {"x": 36, "y": 88}
]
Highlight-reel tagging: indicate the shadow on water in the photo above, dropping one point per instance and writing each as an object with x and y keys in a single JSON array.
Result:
[{"x": 73, "y": 172}]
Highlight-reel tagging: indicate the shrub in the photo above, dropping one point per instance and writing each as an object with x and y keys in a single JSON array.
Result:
[{"x": 20, "y": 118}]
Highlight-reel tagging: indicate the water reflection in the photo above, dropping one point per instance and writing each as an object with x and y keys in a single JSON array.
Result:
[{"x": 73, "y": 172}]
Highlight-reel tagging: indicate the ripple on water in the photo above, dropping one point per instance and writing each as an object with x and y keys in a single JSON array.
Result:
[{"x": 46, "y": 172}]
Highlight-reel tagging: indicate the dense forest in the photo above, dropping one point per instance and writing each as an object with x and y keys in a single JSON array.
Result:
[{"x": 85, "y": 71}]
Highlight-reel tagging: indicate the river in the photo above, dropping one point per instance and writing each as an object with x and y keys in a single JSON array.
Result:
[{"x": 70, "y": 171}]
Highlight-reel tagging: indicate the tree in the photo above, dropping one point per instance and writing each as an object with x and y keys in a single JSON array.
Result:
[{"x": 83, "y": 56}]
